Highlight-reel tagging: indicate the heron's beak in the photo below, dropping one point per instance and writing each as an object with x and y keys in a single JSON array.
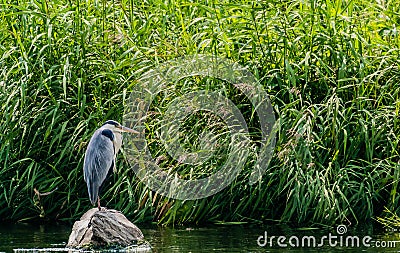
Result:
[{"x": 128, "y": 130}]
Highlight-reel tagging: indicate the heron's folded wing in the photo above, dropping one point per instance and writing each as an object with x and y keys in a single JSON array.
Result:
[{"x": 99, "y": 158}]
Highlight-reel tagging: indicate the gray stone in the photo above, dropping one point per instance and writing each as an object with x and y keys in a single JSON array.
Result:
[{"x": 104, "y": 228}]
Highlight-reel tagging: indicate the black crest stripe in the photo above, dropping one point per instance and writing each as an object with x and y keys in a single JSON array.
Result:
[{"x": 111, "y": 122}]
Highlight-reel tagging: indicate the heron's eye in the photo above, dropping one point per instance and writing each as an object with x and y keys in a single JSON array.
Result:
[{"x": 108, "y": 133}]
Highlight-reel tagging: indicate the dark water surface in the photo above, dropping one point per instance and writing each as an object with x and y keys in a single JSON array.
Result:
[{"x": 218, "y": 238}]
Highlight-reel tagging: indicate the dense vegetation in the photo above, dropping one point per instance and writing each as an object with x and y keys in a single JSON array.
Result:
[{"x": 331, "y": 69}]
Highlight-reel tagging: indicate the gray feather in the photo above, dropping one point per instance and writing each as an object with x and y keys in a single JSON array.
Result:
[{"x": 99, "y": 158}]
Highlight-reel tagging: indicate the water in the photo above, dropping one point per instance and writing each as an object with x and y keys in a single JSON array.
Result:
[{"x": 217, "y": 238}]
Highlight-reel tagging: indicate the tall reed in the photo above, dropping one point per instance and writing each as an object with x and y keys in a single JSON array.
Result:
[{"x": 331, "y": 69}]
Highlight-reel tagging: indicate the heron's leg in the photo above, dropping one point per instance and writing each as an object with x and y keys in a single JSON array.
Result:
[{"x": 98, "y": 203}]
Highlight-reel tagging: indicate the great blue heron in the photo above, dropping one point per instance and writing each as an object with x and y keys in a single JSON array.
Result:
[{"x": 100, "y": 156}]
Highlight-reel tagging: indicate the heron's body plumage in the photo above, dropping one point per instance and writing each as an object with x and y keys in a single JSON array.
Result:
[
  {"x": 100, "y": 156},
  {"x": 97, "y": 163}
]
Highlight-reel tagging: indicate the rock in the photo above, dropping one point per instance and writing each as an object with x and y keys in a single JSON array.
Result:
[{"x": 104, "y": 228}]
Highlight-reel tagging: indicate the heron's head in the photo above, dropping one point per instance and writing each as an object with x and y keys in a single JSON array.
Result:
[{"x": 116, "y": 127}]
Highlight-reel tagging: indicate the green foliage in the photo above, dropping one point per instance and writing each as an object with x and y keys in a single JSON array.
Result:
[{"x": 331, "y": 69}]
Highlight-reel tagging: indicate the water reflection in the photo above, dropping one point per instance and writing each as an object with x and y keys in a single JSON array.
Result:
[
  {"x": 14, "y": 236},
  {"x": 219, "y": 238},
  {"x": 244, "y": 239}
]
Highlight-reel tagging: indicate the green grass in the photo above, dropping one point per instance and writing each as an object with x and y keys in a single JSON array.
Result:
[{"x": 331, "y": 69}]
